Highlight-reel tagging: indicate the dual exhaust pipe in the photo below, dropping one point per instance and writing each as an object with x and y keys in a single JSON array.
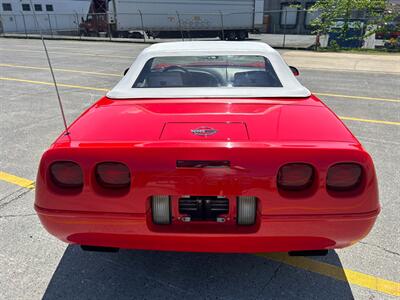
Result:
[{"x": 204, "y": 207}]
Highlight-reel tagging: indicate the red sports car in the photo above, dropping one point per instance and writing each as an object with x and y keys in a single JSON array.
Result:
[{"x": 208, "y": 146}]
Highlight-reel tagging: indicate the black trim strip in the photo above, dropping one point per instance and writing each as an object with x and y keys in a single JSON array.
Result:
[{"x": 203, "y": 163}]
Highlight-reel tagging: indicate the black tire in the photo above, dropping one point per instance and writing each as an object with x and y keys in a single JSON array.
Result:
[
  {"x": 155, "y": 34},
  {"x": 242, "y": 35},
  {"x": 231, "y": 35}
]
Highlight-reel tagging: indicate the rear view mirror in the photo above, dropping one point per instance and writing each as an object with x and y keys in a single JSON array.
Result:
[
  {"x": 126, "y": 71},
  {"x": 295, "y": 71}
]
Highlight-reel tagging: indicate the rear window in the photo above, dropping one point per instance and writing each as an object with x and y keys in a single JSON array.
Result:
[{"x": 207, "y": 71}]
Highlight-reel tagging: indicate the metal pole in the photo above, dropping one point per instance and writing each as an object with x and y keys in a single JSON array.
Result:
[
  {"x": 180, "y": 26},
  {"x": 222, "y": 25},
  {"x": 97, "y": 28},
  {"x": 16, "y": 23},
  {"x": 254, "y": 16},
  {"x": 284, "y": 30},
  {"x": 77, "y": 25},
  {"x": 109, "y": 27},
  {"x": 361, "y": 40},
  {"x": 23, "y": 19},
  {"x": 51, "y": 30},
  {"x": 141, "y": 21},
  {"x": 56, "y": 19},
  {"x": 115, "y": 12},
  {"x": 189, "y": 29},
  {"x": 36, "y": 26}
]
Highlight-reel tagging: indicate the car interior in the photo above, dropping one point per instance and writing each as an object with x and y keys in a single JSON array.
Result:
[{"x": 218, "y": 75}]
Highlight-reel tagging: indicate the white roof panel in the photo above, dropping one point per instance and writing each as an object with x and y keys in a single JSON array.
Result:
[{"x": 290, "y": 86}]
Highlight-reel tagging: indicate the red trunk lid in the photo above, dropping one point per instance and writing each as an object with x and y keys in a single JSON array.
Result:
[{"x": 261, "y": 120}]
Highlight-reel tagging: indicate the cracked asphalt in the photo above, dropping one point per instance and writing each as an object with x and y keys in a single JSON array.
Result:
[{"x": 35, "y": 265}]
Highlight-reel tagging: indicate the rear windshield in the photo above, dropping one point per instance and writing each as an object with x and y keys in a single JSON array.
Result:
[{"x": 207, "y": 71}]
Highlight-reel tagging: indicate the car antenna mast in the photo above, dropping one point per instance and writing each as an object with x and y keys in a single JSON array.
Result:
[{"x": 51, "y": 69}]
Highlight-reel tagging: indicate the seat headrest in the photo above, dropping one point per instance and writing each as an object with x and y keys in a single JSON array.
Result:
[{"x": 252, "y": 78}]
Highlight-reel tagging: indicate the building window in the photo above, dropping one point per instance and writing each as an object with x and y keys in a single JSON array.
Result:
[
  {"x": 289, "y": 15},
  {"x": 7, "y": 7},
  {"x": 38, "y": 7},
  {"x": 26, "y": 7},
  {"x": 49, "y": 7},
  {"x": 310, "y": 15}
]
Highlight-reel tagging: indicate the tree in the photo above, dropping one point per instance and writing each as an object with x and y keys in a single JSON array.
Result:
[{"x": 356, "y": 13}]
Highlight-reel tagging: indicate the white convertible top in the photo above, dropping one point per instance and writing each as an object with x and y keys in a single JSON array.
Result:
[{"x": 290, "y": 86}]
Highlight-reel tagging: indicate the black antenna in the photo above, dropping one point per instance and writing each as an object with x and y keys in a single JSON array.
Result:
[{"x": 51, "y": 69}]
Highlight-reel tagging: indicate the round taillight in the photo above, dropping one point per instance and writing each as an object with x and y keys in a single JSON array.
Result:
[
  {"x": 295, "y": 177},
  {"x": 344, "y": 177},
  {"x": 113, "y": 175},
  {"x": 66, "y": 174}
]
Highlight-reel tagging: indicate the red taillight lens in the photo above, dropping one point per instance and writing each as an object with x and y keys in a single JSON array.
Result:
[
  {"x": 344, "y": 177},
  {"x": 113, "y": 175},
  {"x": 295, "y": 177},
  {"x": 66, "y": 174}
]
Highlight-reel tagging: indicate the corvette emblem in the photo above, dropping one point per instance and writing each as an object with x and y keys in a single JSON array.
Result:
[{"x": 204, "y": 131}]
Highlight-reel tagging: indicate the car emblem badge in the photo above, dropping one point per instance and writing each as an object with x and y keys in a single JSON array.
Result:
[{"x": 204, "y": 131}]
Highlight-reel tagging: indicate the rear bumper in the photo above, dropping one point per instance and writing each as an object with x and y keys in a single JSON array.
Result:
[{"x": 275, "y": 234}]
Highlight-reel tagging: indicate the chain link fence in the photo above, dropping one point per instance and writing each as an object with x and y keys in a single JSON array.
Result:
[{"x": 279, "y": 28}]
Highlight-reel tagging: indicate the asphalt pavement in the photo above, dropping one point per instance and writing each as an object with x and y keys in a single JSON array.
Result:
[{"x": 35, "y": 265}]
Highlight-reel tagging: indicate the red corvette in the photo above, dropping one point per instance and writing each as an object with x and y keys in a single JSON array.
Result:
[{"x": 208, "y": 146}]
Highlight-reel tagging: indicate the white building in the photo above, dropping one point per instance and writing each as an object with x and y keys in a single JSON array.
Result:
[{"x": 17, "y": 16}]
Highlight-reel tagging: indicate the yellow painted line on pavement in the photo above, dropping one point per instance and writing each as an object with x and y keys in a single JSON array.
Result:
[
  {"x": 120, "y": 75},
  {"x": 106, "y": 90},
  {"x": 370, "y": 121},
  {"x": 338, "y": 273},
  {"x": 358, "y": 97},
  {"x": 60, "y": 70},
  {"x": 348, "y": 70},
  {"x": 23, "y": 182},
  {"x": 51, "y": 83},
  {"x": 341, "y": 274},
  {"x": 68, "y": 53}
]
